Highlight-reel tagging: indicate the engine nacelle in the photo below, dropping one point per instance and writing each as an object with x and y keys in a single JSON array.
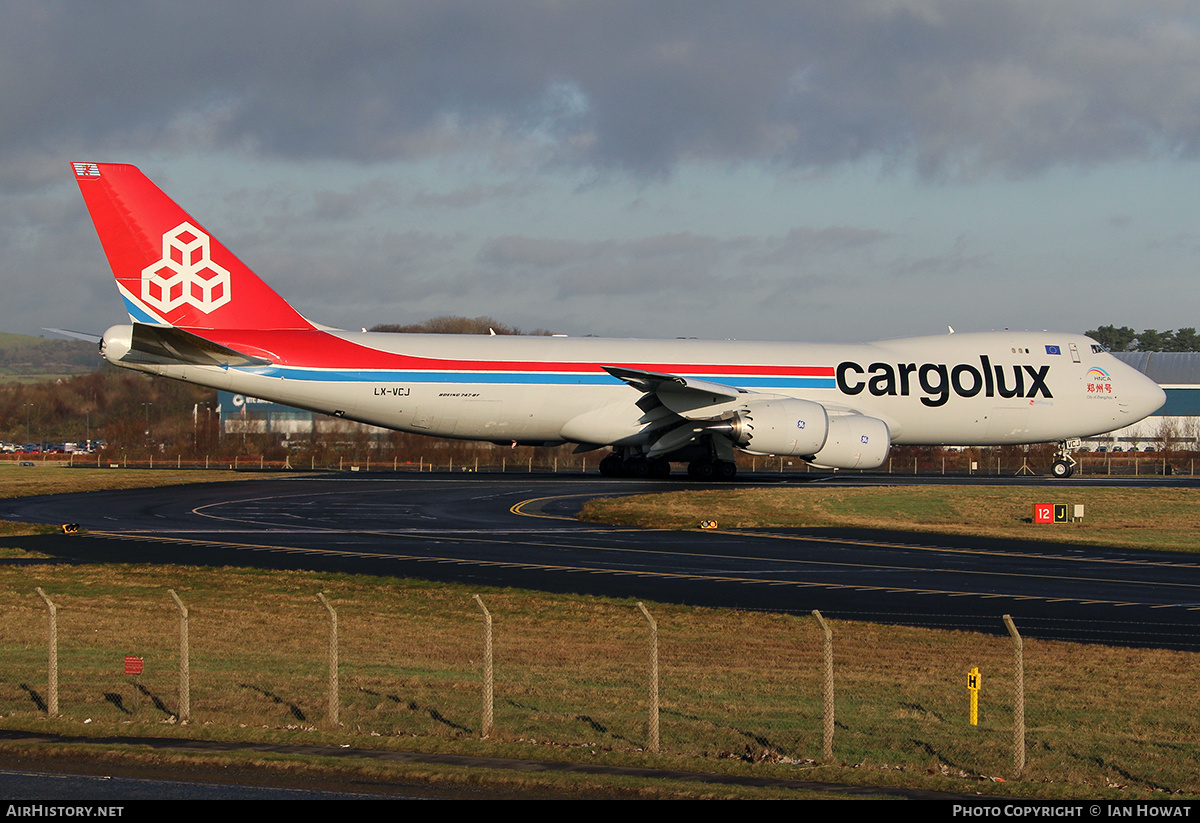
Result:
[
  {"x": 854, "y": 442},
  {"x": 786, "y": 426}
]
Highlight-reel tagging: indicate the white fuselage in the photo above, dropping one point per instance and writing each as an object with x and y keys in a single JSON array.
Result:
[{"x": 993, "y": 388}]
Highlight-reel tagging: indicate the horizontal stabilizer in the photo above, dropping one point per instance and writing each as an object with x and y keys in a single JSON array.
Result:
[
  {"x": 166, "y": 344},
  {"x": 75, "y": 335}
]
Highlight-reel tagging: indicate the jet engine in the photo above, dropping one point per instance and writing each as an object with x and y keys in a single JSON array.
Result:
[
  {"x": 854, "y": 442},
  {"x": 785, "y": 426}
]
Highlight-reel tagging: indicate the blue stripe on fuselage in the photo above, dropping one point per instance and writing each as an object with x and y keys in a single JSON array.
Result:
[{"x": 521, "y": 378}]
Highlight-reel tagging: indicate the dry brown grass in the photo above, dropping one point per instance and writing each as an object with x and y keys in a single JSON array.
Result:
[
  {"x": 740, "y": 690},
  {"x": 1150, "y": 518},
  {"x": 56, "y": 477}
]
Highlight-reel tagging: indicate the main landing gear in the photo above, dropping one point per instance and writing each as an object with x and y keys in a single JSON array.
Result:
[
  {"x": 704, "y": 469},
  {"x": 637, "y": 466},
  {"x": 1064, "y": 462},
  {"x": 709, "y": 469}
]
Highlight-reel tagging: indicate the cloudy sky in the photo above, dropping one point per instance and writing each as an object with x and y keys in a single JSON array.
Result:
[{"x": 760, "y": 170}]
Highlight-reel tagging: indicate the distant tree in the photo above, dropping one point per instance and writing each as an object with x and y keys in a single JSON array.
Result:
[
  {"x": 1154, "y": 340},
  {"x": 1185, "y": 339},
  {"x": 1112, "y": 337},
  {"x": 109, "y": 404},
  {"x": 451, "y": 324},
  {"x": 1126, "y": 339}
]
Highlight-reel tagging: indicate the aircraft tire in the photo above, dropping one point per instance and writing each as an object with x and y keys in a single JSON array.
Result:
[
  {"x": 1062, "y": 469},
  {"x": 726, "y": 470},
  {"x": 703, "y": 470},
  {"x": 638, "y": 467},
  {"x": 611, "y": 466}
]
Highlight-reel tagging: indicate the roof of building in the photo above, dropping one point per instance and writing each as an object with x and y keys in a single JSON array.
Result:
[{"x": 1167, "y": 368}]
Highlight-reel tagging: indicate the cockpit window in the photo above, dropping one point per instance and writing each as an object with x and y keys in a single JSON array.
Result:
[{"x": 1098, "y": 349}]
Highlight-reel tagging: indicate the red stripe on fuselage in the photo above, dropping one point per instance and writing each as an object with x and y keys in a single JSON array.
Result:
[{"x": 322, "y": 350}]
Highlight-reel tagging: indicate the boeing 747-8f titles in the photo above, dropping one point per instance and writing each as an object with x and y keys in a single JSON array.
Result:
[{"x": 199, "y": 314}]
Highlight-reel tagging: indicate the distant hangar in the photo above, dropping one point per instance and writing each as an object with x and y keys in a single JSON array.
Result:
[{"x": 1179, "y": 419}]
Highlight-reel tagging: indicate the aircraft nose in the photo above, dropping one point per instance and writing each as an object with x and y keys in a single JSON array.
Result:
[{"x": 1145, "y": 397}]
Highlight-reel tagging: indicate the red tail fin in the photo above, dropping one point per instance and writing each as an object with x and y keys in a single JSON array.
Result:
[{"x": 170, "y": 270}]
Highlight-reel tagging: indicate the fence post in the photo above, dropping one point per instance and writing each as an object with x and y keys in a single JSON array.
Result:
[
  {"x": 827, "y": 687},
  {"x": 52, "y": 667},
  {"x": 333, "y": 660},
  {"x": 185, "y": 698},
  {"x": 487, "y": 667},
  {"x": 1018, "y": 697},
  {"x": 653, "y": 721}
]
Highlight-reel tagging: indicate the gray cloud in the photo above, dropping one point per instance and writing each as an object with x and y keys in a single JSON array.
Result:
[
  {"x": 656, "y": 263},
  {"x": 959, "y": 89},
  {"x": 955, "y": 262},
  {"x": 803, "y": 243},
  {"x": 390, "y": 161},
  {"x": 466, "y": 197},
  {"x": 540, "y": 253}
]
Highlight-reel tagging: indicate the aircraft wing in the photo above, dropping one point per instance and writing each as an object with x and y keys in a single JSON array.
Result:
[
  {"x": 680, "y": 411},
  {"x": 687, "y": 397}
]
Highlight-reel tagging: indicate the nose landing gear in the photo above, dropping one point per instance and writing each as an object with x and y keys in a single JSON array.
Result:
[{"x": 1064, "y": 462}]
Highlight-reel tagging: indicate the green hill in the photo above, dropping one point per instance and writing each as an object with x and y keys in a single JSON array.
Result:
[{"x": 26, "y": 359}]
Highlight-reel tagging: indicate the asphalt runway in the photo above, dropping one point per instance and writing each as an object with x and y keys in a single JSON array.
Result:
[{"x": 517, "y": 530}]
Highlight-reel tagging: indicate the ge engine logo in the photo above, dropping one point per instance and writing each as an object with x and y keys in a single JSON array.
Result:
[{"x": 185, "y": 274}]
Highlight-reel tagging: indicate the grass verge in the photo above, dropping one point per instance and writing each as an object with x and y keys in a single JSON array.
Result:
[
  {"x": 1166, "y": 519},
  {"x": 741, "y": 691}
]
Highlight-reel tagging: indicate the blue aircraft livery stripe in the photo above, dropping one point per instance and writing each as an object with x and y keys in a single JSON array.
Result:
[{"x": 520, "y": 378}]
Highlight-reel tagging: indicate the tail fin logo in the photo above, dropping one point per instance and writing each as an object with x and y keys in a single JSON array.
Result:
[{"x": 186, "y": 274}]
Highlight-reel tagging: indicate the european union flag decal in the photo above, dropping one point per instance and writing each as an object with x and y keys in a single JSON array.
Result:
[{"x": 1053, "y": 350}]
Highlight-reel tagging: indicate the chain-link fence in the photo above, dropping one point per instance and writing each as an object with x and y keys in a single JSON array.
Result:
[
  {"x": 999, "y": 461},
  {"x": 576, "y": 672}
]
